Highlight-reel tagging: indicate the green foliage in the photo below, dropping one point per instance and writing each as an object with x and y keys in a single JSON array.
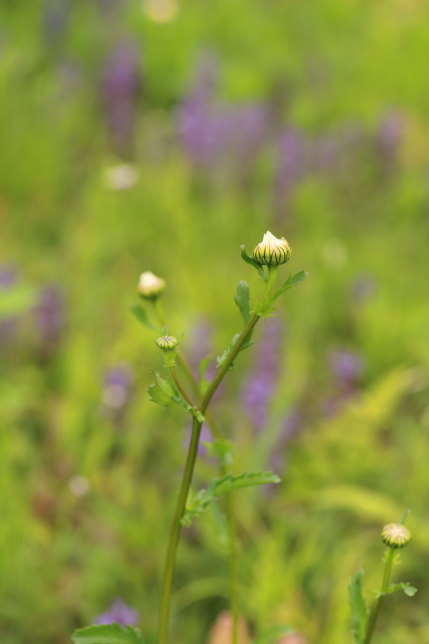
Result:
[
  {"x": 357, "y": 221},
  {"x": 222, "y": 449},
  {"x": 252, "y": 261},
  {"x": 141, "y": 315},
  {"x": 406, "y": 588},
  {"x": 265, "y": 307},
  {"x": 227, "y": 483},
  {"x": 16, "y": 300},
  {"x": 242, "y": 300},
  {"x": 107, "y": 634},
  {"x": 359, "y": 611},
  {"x": 163, "y": 392}
]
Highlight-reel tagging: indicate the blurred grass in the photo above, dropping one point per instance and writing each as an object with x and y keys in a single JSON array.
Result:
[{"x": 324, "y": 68}]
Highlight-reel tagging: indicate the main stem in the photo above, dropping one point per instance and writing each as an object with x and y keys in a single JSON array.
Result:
[
  {"x": 372, "y": 620},
  {"x": 187, "y": 480}
]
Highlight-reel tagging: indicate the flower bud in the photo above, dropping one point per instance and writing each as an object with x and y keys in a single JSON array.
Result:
[
  {"x": 150, "y": 286},
  {"x": 395, "y": 535},
  {"x": 167, "y": 342},
  {"x": 272, "y": 251}
]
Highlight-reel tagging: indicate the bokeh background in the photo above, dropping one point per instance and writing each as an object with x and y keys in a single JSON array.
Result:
[{"x": 160, "y": 135}]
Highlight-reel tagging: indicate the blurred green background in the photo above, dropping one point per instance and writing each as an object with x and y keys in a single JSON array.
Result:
[{"x": 160, "y": 135}]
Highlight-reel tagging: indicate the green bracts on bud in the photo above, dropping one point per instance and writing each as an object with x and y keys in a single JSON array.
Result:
[
  {"x": 150, "y": 286},
  {"x": 272, "y": 251},
  {"x": 166, "y": 343},
  {"x": 395, "y": 535}
]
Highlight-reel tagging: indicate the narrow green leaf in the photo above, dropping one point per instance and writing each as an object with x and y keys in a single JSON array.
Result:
[
  {"x": 252, "y": 261},
  {"x": 266, "y": 307},
  {"x": 242, "y": 300},
  {"x": 358, "y": 607},
  {"x": 201, "y": 501},
  {"x": 140, "y": 313},
  {"x": 247, "y": 479},
  {"x": 107, "y": 634}
]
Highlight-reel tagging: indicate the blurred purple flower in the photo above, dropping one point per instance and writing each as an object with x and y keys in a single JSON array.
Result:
[
  {"x": 120, "y": 87},
  {"x": 199, "y": 344},
  {"x": 363, "y": 287},
  {"x": 8, "y": 276},
  {"x": 260, "y": 385},
  {"x": 291, "y": 166},
  {"x": 117, "y": 391},
  {"x": 50, "y": 315},
  {"x": 8, "y": 325},
  {"x": 291, "y": 426},
  {"x": 205, "y": 437},
  {"x": 387, "y": 139},
  {"x": 119, "y": 613},
  {"x": 326, "y": 153},
  {"x": 211, "y": 131},
  {"x": 346, "y": 365}
]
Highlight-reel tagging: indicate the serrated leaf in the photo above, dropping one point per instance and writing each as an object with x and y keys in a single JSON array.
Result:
[
  {"x": 201, "y": 501},
  {"x": 273, "y": 634},
  {"x": 406, "y": 588},
  {"x": 161, "y": 392},
  {"x": 246, "y": 479},
  {"x": 164, "y": 392},
  {"x": 252, "y": 261},
  {"x": 107, "y": 634},
  {"x": 242, "y": 300},
  {"x": 266, "y": 307},
  {"x": 358, "y": 607},
  {"x": 141, "y": 315}
]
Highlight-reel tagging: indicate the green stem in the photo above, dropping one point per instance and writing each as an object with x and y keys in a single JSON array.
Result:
[
  {"x": 233, "y": 565},
  {"x": 187, "y": 480},
  {"x": 372, "y": 620}
]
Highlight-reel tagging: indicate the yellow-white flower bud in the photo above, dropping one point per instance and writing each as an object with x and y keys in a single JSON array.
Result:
[
  {"x": 150, "y": 286},
  {"x": 395, "y": 535},
  {"x": 167, "y": 342},
  {"x": 272, "y": 251}
]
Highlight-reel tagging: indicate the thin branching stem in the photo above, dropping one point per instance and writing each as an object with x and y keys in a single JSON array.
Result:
[
  {"x": 163, "y": 630},
  {"x": 372, "y": 620}
]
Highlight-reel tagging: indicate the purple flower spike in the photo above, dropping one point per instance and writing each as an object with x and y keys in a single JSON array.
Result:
[
  {"x": 49, "y": 312},
  {"x": 119, "y": 613},
  {"x": 346, "y": 365},
  {"x": 388, "y": 138},
  {"x": 117, "y": 390},
  {"x": 259, "y": 388}
]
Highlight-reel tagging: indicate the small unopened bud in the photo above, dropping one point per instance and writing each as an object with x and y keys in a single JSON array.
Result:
[
  {"x": 150, "y": 286},
  {"x": 167, "y": 342},
  {"x": 272, "y": 251},
  {"x": 395, "y": 535}
]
